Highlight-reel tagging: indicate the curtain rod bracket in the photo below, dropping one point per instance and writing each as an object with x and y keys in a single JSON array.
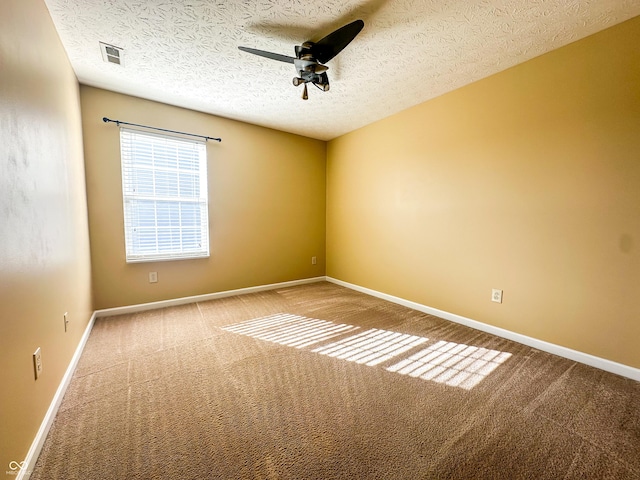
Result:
[{"x": 118, "y": 122}]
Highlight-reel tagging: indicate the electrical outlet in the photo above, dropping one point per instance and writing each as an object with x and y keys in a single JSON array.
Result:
[
  {"x": 314, "y": 260},
  {"x": 66, "y": 321},
  {"x": 153, "y": 277},
  {"x": 37, "y": 363},
  {"x": 496, "y": 295}
]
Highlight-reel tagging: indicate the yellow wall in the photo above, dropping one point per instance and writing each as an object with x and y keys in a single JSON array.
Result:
[
  {"x": 44, "y": 246},
  {"x": 266, "y": 204},
  {"x": 527, "y": 181}
]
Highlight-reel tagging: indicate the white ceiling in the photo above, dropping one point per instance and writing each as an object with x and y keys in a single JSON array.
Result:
[{"x": 185, "y": 52}]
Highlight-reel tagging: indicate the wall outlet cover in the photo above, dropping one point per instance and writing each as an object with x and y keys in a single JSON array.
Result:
[
  {"x": 37, "y": 363},
  {"x": 496, "y": 295}
]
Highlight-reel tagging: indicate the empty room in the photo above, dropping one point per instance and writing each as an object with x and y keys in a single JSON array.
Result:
[{"x": 361, "y": 239}]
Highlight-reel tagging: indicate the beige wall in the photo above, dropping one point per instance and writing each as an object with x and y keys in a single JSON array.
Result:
[
  {"x": 44, "y": 246},
  {"x": 266, "y": 204},
  {"x": 527, "y": 181}
]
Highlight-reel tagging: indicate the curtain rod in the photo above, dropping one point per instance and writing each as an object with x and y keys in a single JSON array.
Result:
[{"x": 118, "y": 122}]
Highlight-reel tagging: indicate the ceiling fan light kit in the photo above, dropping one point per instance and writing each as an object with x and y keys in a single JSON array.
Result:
[{"x": 311, "y": 56}]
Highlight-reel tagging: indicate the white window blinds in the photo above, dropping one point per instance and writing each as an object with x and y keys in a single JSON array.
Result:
[{"x": 164, "y": 185}]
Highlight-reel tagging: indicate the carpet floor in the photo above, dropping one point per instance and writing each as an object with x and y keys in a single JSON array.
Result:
[{"x": 321, "y": 382}]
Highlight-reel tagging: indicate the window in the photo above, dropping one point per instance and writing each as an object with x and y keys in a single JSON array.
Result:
[{"x": 164, "y": 186}]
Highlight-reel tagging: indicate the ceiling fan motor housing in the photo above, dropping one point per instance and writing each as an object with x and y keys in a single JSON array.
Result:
[{"x": 309, "y": 69}]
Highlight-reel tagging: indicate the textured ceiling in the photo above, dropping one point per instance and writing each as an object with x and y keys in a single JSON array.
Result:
[{"x": 185, "y": 52}]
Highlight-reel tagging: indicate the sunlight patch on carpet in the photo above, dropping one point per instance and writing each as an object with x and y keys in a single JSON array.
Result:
[
  {"x": 372, "y": 346},
  {"x": 454, "y": 364},
  {"x": 290, "y": 330}
]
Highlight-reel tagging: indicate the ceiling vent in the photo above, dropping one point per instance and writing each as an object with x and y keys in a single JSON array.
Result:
[{"x": 112, "y": 54}]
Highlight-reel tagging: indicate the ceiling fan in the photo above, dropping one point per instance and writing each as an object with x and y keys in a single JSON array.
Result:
[{"x": 311, "y": 56}]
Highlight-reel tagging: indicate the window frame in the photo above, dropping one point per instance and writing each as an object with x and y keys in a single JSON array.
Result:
[{"x": 152, "y": 180}]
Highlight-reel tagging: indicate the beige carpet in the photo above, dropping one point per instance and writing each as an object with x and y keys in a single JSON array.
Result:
[{"x": 320, "y": 382}]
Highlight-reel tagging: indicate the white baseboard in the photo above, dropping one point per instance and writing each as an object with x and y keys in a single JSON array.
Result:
[
  {"x": 107, "y": 312},
  {"x": 587, "y": 359},
  {"x": 36, "y": 446}
]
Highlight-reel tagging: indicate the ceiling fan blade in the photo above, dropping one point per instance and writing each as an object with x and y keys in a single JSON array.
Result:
[
  {"x": 273, "y": 56},
  {"x": 331, "y": 45}
]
